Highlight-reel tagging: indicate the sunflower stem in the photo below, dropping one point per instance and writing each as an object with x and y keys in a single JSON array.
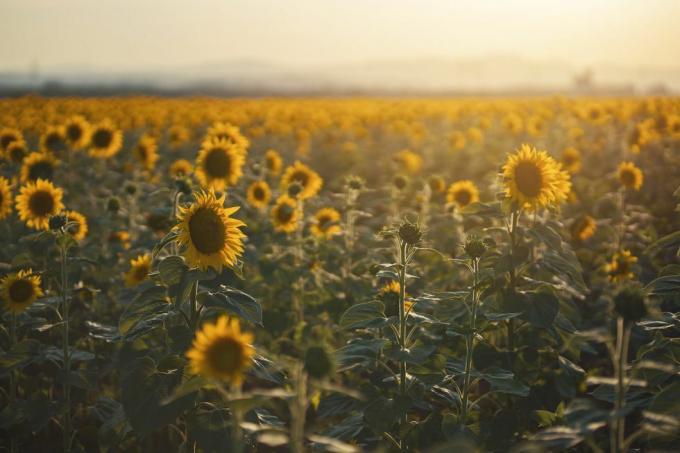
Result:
[
  {"x": 513, "y": 275},
  {"x": 299, "y": 410},
  {"x": 618, "y": 420},
  {"x": 193, "y": 305},
  {"x": 237, "y": 418},
  {"x": 13, "y": 376},
  {"x": 470, "y": 344},
  {"x": 67, "y": 356},
  {"x": 402, "y": 320}
]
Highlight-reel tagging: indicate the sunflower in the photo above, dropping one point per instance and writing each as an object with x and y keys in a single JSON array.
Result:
[
  {"x": 180, "y": 168},
  {"x": 630, "y": 176},
  {"x": 53, "y": 140},
  {"x": 583, "y": 228},
  {"x": 230, "y": 134},
  {"x": 409, "y": 161},
  {"x": 437, "y": 184},
  {"x": 533, "y": 179},
  {"x": 146, "y": 152},
  {"x": 139, "y": 270},
  {"x": 620, "y": 268},
  {"x": 457, "y": 140},
  {"x": 259, "y": 194},
  {"x": 389, "y": 294},
  {"x": 9, "y": 136},
  {"x": 221, "y": 351},
  {"x": 77, "y": 132},
  {"x": 38, "y": 166},
  {"x": 16, "y": 151},
  {"x": 393, "y": 287},
  {"x": 208, "y": 233},
  {"x": 178, "y": 135},
  {"x": 325, "y": 223},
  {"x": 121, "y": 238},
  {"x": 310, "y": 180},
  {"x": 273, "y": 161},
  {"x": 20, "y": 290},
  {"x": 219, "y": 164},
  {"x": 285, "y": 214},
  {"x": 80, "y": 229},
  {"x": 37, "y": 202},
  {"x": 571, "y": 160},
  {"x": 462, "y": 193},
  {"x": 105, "y": 140},
  {"x": 5, "y": 197}
]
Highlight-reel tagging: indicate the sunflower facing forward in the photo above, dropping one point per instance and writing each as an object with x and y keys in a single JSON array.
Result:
[
  {"x": 5, "y": 197},
  {"x": 38, "y": 166},
  {"x": 259, "y": 194},
  {"x": 583, "y": 228},
  {"x": 310, "y": 180},
  {"x": 8, "y": 136},
  {"x": 77, "y": 132},
  {"x": 219, "y": 164},
  {"x": 16, "y": 152},
  {"x": 20, "y": 290},
  {"x": 285, "y": 214},
  {"x": 273, "y": 162},
  {"x": 209, "y": 234},
  {"x": 105, "y": 140},
  {"x": 462, "y": 193},
  {"x": 630, "y": 176},
  {"x": 53, "y": 140},
  {"x": 37, "y": 202},
  {"x": 180, "y": 168},
  {"x": 533, "y": 179},
  {"x": 325, "y": 223},
  {"x": 221, "y": 351},
  {"x": 139, "y": 270},
  {"x": 230, "y": 134}
]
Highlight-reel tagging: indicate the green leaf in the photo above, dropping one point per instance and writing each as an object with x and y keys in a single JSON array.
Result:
[
  {"x": 364, "y": 315},
  {"x": 235, "y": 302},
  {"x": 541, "y": 308},
  {"x": 664, "y": 286},
  {"x": 363, "y": 352},
  {"x": 144, "y": 313},
  {"x": 171, "y": 269}
]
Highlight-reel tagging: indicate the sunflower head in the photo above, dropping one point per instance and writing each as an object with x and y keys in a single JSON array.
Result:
[
  {"x": 146, "y": 151},
  {"x": 630, "y": 176},
  {"x": 462, "y": 193},
  {"x": 77, "y": 132},
  {"x": 310, "y": 180},
  {"x": 620, "y": 268},
  {"x": 583, "y": 228},
  {"x": 285, "y": 214},
  {"x": 16, "y": 152},
  {"x": 259, "y": 194},
  {"x": 9, "y": 136},
  {"x": 5, "y": 197},
  {"x": 230, "y": 134},
  {"x": 37, "y": 202},
  {"x": 53, "y": 140},
  {"x": 38, "y": 166},
  {"x": 208, "y": 233},
  {"x": 437, "y": 184},
  {"x": 105, "y": 140},
  {"x": 571, "y": 160},
  {"x": 78, "y": 229},
  {"x": 219, "y": 164},
  {"x": 533, "y": 179},
  {"x": 273, "y": 162},
  {"x": 325, "y": 223},
  {"x": 409, "y": 161},
  {"x": 180, "y": 168},
  {"x": 139, "y": 270},
  {"x": 221, "y": 351},
  {"x": 20, "y": 290}
]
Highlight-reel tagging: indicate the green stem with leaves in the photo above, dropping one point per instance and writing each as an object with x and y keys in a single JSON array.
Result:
[
  {"x": 13, "y": 375},
  {"x": 67, "y": 426},
  {"x": 470, "y": 342},
  {"x": 402, "y": 317},
  {"x": 620, "y": 361},
  {"x": 298, "y": 408},
  {"x": 513, "y": 274}
]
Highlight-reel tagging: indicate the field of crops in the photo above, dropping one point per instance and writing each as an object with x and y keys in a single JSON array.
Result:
[{"x": 429, "y": 275}]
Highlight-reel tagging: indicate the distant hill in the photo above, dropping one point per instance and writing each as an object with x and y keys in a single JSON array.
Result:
[{"x": 424, "y": 75}]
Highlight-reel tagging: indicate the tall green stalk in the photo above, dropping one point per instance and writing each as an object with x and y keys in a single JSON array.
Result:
[
  {"x": 67, "y": 426},
  {"x": 620, "y": 360},
  {"x": 402, "y": 316},
  {"x": 470, "y": 342}
]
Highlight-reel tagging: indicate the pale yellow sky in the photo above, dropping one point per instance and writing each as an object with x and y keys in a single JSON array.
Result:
[{"x": 142, "y": 34}]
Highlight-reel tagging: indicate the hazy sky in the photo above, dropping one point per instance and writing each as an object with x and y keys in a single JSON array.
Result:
[{"x": 135, "y": 34}]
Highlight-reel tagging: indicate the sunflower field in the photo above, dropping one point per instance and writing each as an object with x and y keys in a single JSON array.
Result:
[{"x": 340, "y": 275}]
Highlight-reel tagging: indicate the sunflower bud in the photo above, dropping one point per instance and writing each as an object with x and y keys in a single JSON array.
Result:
[
  {"x": 319, "y": 362},
  {"x": 354, "y": 182},
  {"x": 294, "y": 190},
  {"x": 184, "y": 185},
  {"x": 410, "y": 233},
  {"x": 630, "y": 303},
  {"x": 57, "y": 222},
  {"x": 130, "y": 188},
  {"x": 113, "y": 205},
  {"x": 475, "y": 248},
  {"x": 400, "y": 182}
]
